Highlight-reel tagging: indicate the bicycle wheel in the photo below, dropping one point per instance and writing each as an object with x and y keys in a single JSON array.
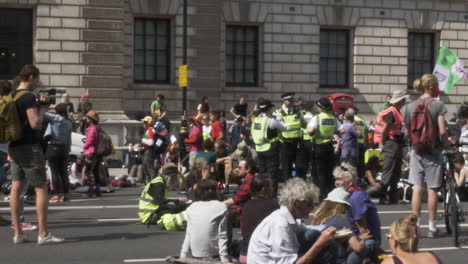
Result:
[
  {"x": 453, "y": 213},
  {"x": 446, "y": 210}
]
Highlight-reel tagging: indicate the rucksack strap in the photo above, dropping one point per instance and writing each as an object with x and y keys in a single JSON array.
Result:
[{"x": 19, "y": 94}]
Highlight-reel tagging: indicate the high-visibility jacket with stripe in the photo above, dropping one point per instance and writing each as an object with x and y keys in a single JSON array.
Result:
[
  {"x": 146, "y": 206},
  {"x": 326, "y": 127},
  {"x": 395, "y": 128},
  {"x": 174, "y": 222},
  {"x": 259, "y": 132},
  {"x": 361, "y": 124},
  {"x": 292, "y": 122},
  {"x": 305, "y": 134}
]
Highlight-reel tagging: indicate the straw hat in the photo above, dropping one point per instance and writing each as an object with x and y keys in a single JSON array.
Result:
[{"x": 93, "y": 115}]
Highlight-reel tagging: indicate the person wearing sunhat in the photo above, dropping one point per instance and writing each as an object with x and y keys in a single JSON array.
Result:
[
  {"x": 323, "y": 127},
  {"x": 388, "y": 134},
  {"x": 147, "y": 143},
  {"x": 292, "y": 137},
  {"x": 265, "y": 134},
  {"x": 90, "y": 149}
]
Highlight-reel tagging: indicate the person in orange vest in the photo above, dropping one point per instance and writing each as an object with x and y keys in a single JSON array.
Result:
[{"x": 388, "y": 133}]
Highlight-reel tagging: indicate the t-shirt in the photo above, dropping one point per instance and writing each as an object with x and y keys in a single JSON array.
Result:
[
  {"x": 240, "y": 109},
  {"x": 253, "y": 213},
  {"x": 210, "y": 157},
  {"x": 436, "y": 109},
  {"x": 363, "y": 208},
  {"x": 30, "y": 136},
  {"x": 158, "y": 108}
]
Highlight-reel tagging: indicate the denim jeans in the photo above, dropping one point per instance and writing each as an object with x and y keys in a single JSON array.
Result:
[
  {"x": 371, "y": 250},
  {"x": 326, "y": 256}
]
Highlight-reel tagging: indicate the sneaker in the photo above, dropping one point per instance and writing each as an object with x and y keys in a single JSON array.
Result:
[
  {"x": 28, "y": 227},
  {"x": 433, "y": 234},
  {"x": 65, "y": 198},
  {"x": 49, "y": 239},
  {"x": 54, "y": 199},
  {"x": 18, "y": 240}
]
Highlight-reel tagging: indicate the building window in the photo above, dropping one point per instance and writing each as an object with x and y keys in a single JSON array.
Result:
[
  {"x": 16, "y": 36},
  {"x": 152, "y": 51},
  {"x": 334, "y": 54},
  {"x": 241, "y": 55},
  {"x": 420, "y": 55}
]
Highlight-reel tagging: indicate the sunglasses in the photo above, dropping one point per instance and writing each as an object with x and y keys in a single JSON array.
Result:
[{"x": 388, "y": 236}]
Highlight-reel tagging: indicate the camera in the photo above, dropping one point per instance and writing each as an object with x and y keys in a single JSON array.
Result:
[{"x": 51, "y": 95}]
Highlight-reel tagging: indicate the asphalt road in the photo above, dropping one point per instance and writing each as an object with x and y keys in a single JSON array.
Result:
[{"x": 104, "y": 230}]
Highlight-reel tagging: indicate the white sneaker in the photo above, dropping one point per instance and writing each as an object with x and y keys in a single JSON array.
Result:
[
  {"x": 49, "y": 239},
  {"x": 19, "y": 239}
]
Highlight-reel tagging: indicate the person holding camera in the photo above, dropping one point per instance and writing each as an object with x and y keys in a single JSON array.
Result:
[
  {"x": 58, "y": 135},
  {"x": 27, "y": 158}
]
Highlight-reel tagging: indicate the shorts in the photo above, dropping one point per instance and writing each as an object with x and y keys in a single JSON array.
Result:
[
  {"x": 426, "y": 169},
  {"x": 28, "y": 162}
]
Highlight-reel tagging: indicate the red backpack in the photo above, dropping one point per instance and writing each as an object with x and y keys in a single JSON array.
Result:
[{"x": 423, "y": 133}]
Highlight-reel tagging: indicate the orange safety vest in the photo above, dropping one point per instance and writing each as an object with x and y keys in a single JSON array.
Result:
[{"x": 395, "y": 128}]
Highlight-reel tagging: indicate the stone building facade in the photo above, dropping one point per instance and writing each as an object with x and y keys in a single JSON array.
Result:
[{"x": 92, "y": 46}]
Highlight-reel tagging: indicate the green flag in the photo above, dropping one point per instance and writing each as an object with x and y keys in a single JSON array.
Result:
[{"x": 448, "y": 69}]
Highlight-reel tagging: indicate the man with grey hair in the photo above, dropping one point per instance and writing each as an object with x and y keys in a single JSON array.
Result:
[
  {"x": 349, "y": 138},
  {"x": 276, "y": 238},
  {"x": 363, "y": 213}
]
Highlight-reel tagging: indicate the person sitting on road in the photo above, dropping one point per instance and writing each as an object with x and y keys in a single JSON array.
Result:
[
  {"x": 373, "y": 168},
  {"x": 461, "y": 176},
  {"x": 332, "y": 212},
  {"x": 277, "y": 238},
  {"x": 256, "y": 209},
  {"x": 363, "y": 213},
  {"x": 206, "y": 234},
  {"x": 154, "y": 201},
  {"x": 403, "y": 241}
]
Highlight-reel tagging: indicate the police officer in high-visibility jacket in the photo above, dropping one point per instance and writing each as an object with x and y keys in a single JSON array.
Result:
[
  {"x": 323, "y": 127},
  {"x": 291, "y": 139},
  {"x": 265, "y": 134},
  {"x": 362, "y": 126},
  {"x": 154, "y": 202},
  {"x": 306, "y": 156},
  {"x": 388, "y": 133}
]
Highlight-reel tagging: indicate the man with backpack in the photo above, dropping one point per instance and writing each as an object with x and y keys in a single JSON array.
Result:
[
  {"x": 425, "y": 125},
  {"x": 27, "y": 158},
  {"x": 388, "y": 134}
]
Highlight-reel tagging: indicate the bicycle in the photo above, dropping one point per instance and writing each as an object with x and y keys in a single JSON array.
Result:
[{"x": 453, "y": 212}]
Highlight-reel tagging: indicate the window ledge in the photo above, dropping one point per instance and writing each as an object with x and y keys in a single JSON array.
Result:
[
  {"x": 167, "y": 86},
  {"x": 244, "y": 89}
]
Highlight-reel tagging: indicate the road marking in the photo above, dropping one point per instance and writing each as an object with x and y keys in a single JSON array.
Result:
[
  {"x": 96, "y": 220},
  {"x": 85, "y": 207},
  {"x": 425, "y": 226},
  {"x": 442, "y": 248},
  {"x": 399, "y": 212},
  {"x": 144, "y": 260}
]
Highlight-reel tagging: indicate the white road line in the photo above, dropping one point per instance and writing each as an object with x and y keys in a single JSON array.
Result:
[
  {"x": 96, "y": 220},
  {"x": 144, "y": 260},
  {"x": 425, "y": 226},
  {"x": 58, "y": 208},
  {"x": 442, "y": 248}
]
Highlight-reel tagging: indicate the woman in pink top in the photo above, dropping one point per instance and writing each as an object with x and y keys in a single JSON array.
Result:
[
  {"x": 194, "y": 140},
  {"x": 90, "y": 148}
]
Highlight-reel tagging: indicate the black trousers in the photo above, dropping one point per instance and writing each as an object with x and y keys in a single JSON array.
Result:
[
  {"x": 305, "y": 159},
  {"x": 391, "y": 171},
  {"x": 361, "y": 165},
  {"x": 268, "y": 162},
  {"x": 149, "y": 172},
  {"x": 325, "y": 163},
  {"x": 289, "y": 152},
  {"x": 57, "y": 157},
  {"x": 92, "y": 165}
]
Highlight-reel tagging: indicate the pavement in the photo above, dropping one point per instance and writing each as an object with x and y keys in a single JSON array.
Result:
[{"x": 105, "y": 230}]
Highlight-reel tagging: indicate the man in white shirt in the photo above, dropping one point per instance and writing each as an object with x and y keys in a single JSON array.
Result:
[{"x": 275, "y": 240}]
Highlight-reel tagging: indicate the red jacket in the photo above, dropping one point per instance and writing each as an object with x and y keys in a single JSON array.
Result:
[{"x": 216, "y": 129}]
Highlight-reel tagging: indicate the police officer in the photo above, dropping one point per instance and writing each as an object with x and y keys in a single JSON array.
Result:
[
  {"x": 265, "y": 134},
  {"x": 323, "y": 127},
  {"x": 306, "y": 149},
  {"x": 154, "y": 202},
  {"x": 361, "y": 125},
  {"x": 292, "y": 137}
]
